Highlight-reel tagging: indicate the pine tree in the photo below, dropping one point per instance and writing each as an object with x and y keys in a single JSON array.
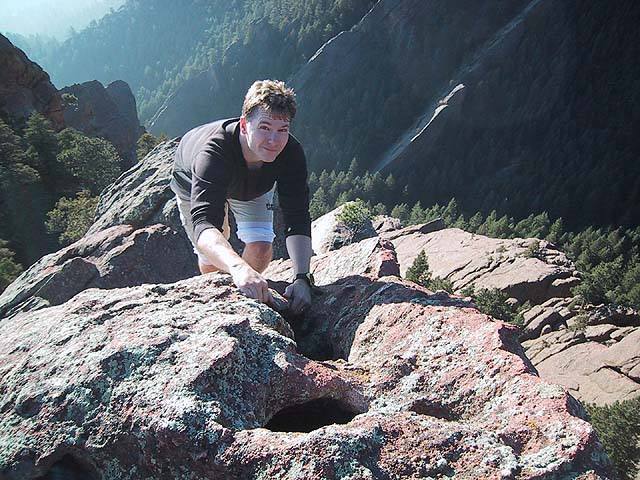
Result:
[
  {"x": 401, "y": 212},
  {"x": 14, "y": 166},
  {"x": 419, "y": 272},
  {"x": 450, "y": 213},
  {"x": 72, "y": 217},
  {"x": 93, "y": 162},
  {"x": 318, "y": 205},
  {"x": 9, "y": 269},
  {"x": 416, "y": 215}
]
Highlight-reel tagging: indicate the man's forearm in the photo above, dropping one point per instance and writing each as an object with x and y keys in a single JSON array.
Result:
[
  {"x": 300, "y": 251},
  {"x": 219, "y": 251}
]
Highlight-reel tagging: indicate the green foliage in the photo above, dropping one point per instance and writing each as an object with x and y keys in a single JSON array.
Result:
[
  {"x": 14, "y": 163},
  {"x": 533, "y": 250},
  {"x": 601, "y": 284},
  {"x": 39, "y": 133},
  {"x": 355, "y": 216},
  {"x": 146, "y": 143},
  {"x": 43, "y": 146},
  {"x": 318, "y": 205},
  {"x": 419, "y": 273},
  {"x": 93, "y": 162},
  {"x": 9, "y": 269},
  {"x": 618, "y": 427},
  {"x": 39, "y": 168},
  {"x": 493, "y": 302},
  {"x": 69, "y": 99},
  {"x": 438, "y": 283},
  {"x": 71, "y": 218},
  {"x": 401, "y": 212}
]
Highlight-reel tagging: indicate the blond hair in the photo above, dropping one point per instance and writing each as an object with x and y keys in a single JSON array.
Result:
[{"x": 271, "y": 95}]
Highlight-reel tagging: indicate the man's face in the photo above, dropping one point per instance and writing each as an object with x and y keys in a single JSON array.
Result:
[{"x": 267, "y": 135}]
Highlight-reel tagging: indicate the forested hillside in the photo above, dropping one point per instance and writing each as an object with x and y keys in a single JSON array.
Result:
[
  {"x": 49, "y": 183},
  {"x": 535, "y": 100},
  {"x": 157, "y": 46},
  {"x": 542, "y": 118}
]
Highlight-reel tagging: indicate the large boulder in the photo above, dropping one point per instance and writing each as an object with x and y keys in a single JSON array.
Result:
[
  {"x": 330, "y": 232},
  {"x": 108, "y": 112},
  {"x": 193, "y": 380},
  {"x": 525, "y": 269},
  {"x": 119, "y": 256},
  {"x": 595, "y": 354},
  {"x": 372, "y": 256},
  {"x": 26, "y": 88}
]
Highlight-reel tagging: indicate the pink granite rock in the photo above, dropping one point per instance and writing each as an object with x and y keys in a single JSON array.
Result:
[
  {"x": 192, "y": 380},
  {"x": 372, "y": 256},
  {"x": 468, "y": 259},
  {"x": 116, "y": 257},
  {"x": 596, "y": 366}
]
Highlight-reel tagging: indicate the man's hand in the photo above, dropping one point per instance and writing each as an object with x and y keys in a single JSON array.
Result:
[
  {"x": 251, "y": 283},
  {"x": 299, "y": 296}
]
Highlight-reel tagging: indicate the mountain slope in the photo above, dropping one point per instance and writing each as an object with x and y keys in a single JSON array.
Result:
[
  {"x": 543, "y": 121},
  {"x": 158, "y": 46}
]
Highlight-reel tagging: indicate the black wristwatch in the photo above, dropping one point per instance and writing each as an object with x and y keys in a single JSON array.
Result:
[{"x": 307, "y": 277}]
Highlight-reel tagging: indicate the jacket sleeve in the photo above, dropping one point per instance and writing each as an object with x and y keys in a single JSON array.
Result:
[
  {"x": 293, "y": 194},
  {"x": 209, "y": 182}
]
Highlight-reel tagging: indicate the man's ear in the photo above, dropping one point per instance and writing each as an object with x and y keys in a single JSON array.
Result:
[{"x": 243, "y": 125}]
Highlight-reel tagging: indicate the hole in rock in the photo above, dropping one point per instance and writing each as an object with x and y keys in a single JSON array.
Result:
[
  {"x": 433, "y": 409},
  {"x": 310, "y": 416},
  {"x": 68, "y": 468}
]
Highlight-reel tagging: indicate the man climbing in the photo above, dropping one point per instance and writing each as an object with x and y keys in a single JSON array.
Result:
[{"x": 238, "y": 164}]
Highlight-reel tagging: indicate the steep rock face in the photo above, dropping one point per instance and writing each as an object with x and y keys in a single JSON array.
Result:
[
  {"x": 141, "y": 196},
  {"x": 25, "y": 88},
  {"x": 109, "y": 113},
  {"x": 424, "y": 51},
  {"x": 165, "y": 381},
  {"x": 515, "y": 114},
  {"x": 116, "y": 257},
  {"x": 526, "y": 269}
]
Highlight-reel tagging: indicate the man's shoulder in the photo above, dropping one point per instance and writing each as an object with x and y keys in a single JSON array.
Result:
[{"x": 217, "y": 132}]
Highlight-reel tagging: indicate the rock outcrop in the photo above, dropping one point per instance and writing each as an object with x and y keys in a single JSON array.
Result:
[
  {"x": 26, "y": 88},
  {"x": 372, "y": 256},
  {"x": 116, "y": 257},
  {"x": 525, "y": 269},
  {"x": 107, "y": 112},
  {"x": 329, "y": 232},
  {"x": 141, "y": 196},
  {"x": 594, "y": 352},
  {"x": 192, "y": 379}
]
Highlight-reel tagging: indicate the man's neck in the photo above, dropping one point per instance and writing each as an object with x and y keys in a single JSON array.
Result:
[{"x": 250, "y": 159}]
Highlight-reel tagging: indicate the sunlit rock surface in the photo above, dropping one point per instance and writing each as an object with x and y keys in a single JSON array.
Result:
[{"x": 193, "y": 380}]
